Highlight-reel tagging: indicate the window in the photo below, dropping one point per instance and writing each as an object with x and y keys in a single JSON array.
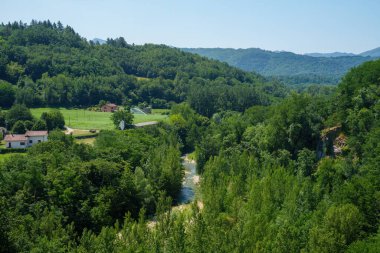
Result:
[
  {"x": 39, "y": 141},
  {"x": 30, "y": 141},
  {"x": 22, "y": 143}
]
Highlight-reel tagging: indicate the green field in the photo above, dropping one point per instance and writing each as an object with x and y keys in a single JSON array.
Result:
[
  {"x": 160, "y": 111},
  {"x": 84, "y": 119}
]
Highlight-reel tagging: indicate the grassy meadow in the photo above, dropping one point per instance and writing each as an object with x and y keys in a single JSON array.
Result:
[{"x": 84, "y": 119}]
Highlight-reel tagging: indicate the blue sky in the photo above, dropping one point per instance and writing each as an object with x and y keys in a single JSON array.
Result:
[{"x": 299, "y": 26}]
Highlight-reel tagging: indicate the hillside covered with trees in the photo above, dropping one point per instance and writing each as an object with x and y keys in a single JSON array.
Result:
[
  {"x": 298, "y": 176},
  {"x": 288, "y": 67},
  {"x": 47, "y": 64},
  {"x": 298, "y": 173}
]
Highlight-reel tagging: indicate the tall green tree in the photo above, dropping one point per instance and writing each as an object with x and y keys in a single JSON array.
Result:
[
  {"x": 18, "y": 113},
  {"x": 122, "y": 115},
  {"x": 54, "y": 119},
  {"x": 7, "y": 94}
]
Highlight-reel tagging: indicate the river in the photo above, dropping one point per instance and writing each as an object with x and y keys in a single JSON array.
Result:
[
  {"x": 190, "y": 181},
  {"x": 189, "y": 185}
]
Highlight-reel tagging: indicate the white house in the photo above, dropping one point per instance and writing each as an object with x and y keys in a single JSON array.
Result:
[{"x": 25, "y": 140}]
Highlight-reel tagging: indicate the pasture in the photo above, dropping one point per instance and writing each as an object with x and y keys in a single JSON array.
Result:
[{"x": 84, "y": 119}]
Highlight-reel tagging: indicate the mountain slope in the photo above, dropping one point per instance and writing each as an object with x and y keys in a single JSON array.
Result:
[
  {"x": 47, "y": 64},
  {"x": 335, "y": 54},
  {"x": 286, "y": 65},
  {"x": 372, "y": 53}
]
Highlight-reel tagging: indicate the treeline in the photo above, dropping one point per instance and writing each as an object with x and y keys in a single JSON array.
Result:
[
  {"x": 61, "y": 190},
  {"x": 18, "y": 119},
  {"x": 47, "y": 64}
]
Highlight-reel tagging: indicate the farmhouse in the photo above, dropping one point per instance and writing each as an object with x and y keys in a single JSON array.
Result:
[
  {"x": 25, "y": 140},
  {"x": 109, "y": 107}
]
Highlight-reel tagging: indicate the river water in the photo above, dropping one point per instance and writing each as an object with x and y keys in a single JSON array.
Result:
[
  {"x": 191, "y": 179},
  {"x": 189, "y": 184}
]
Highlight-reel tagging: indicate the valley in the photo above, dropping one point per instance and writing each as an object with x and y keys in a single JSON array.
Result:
[{"x": 231, "y": 159}]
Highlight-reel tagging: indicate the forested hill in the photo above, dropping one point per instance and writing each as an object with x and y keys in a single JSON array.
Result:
[
  {"x": 48, "y": 64},
  {"x": 288, "y": 67}
]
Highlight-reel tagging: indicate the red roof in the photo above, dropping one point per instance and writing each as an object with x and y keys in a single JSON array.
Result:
[
  {"x": 15, "y": 137},
  {"x": 36, "y": 133}
]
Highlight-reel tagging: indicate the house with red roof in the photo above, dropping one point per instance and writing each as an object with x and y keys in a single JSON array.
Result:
[
  {"x": 109, "y": 107},
  {"x": 26, "y": 140}
]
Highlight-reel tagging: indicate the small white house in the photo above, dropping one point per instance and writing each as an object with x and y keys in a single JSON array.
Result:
[{"x": 25, "y": 140}]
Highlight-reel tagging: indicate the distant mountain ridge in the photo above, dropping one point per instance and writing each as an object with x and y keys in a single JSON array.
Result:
[
  {"x": 335, "y": 54},
  {"x": 99, "y": 41},
  {"x": 372, "y": 53},
  {"x": 290, "y": 67}
]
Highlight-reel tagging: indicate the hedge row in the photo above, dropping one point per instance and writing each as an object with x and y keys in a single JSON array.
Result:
[{"x": 12, "y": 150}]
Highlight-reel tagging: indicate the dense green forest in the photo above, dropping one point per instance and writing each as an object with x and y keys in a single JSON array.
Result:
[
  {"x": 47, "y": 64},
  {"x": 288, "y": 67},
  {"x": 298, "y": 176},
  {"x": 297, "y": 172}
]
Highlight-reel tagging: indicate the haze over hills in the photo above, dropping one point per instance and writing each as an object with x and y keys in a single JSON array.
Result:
[
  {"x": 372, "y": 53},
  {"x": 100, "y": 41},
  {"x": 289, "y": 67},
  {"x": 335, "y": 54}
]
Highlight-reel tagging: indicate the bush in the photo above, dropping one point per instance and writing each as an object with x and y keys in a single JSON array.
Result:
[{"x": 12, "y": 150}]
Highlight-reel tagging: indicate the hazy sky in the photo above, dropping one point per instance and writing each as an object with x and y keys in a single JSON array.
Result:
[{"x": 293, "y": 25}]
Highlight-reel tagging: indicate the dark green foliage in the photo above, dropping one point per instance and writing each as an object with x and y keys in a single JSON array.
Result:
[
  {"x": 53, "y": 119},
  {"x": 211, "y": 99},
  {"x": 7, "y": 94},
  {"x": 19, "y": 127},
  {"x": 28, "y": 124},
  {"x": 2, "y": 119},
  {"x": 17, "y": 113},
  {"x": 39, "y": 125}
]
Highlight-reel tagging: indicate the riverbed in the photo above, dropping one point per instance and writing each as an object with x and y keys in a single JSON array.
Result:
[{"x": 189, "y": 183}]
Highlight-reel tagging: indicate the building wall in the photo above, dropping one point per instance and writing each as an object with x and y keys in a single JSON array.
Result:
[
  {"x": 35, "y": 140},
  {"x": 16, "y": 144},
  {"x": 107, "y": 108}
]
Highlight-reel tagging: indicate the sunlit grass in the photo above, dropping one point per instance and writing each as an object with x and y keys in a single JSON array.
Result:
[{"x": 84, "y": 119}]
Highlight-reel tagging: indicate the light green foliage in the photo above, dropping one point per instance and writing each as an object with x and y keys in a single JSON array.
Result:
[
  {"x": 14, "y": 71},
  {"x": 370, "y": 245}
]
